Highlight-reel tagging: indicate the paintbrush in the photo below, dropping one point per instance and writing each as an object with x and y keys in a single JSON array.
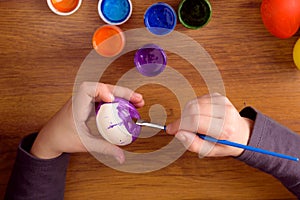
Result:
[{"x": 224, "y": 142}]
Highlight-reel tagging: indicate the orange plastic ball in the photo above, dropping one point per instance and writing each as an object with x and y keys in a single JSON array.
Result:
[{"x": 281, "y": 17}]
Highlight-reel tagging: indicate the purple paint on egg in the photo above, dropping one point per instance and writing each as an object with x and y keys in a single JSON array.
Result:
[
  {"x": 113, "y": 125},
  {"x": 127, "y": 112},
  {"x": 150, "y": 60}
]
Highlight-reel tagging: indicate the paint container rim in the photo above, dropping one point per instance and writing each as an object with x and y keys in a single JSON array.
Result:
[
  {"x": 161, "y": 31},
  {"x": 110, "y": 22},
  {"x": 189, "y": 26},
  {"x": 119, "y": 32},
  {"x": 139, "y": 66},
  {"x": 53, "y": 9}
]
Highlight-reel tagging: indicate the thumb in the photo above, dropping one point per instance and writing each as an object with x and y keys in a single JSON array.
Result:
[{"x": 190, "y": 140}]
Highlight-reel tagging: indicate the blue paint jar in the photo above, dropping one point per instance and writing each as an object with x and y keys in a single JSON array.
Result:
[
  {"x": 115, "y": 12},
  {"x": 160, "y": 18}
]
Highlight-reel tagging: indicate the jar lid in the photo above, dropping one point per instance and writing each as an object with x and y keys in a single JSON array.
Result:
[
  {"x": 160, "y": 19},
  {"x": 150, "y": 60}
]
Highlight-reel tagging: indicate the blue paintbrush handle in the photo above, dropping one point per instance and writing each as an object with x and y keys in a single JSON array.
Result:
[
  {"x": 226, "y": 142},
  {"x": 250, "y": 148}
]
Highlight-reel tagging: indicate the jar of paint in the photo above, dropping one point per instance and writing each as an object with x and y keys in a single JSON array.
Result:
[
  {"x": 160, "y": 18},
  {"x": 115, "y": 121},
  {"x": 64, "y": 7},
  {"x": 114, "y": 12},
  {"x": 194, "y": 14},
  {"x": 108, "y": 40},
  {"x": 150, "y": 60}
]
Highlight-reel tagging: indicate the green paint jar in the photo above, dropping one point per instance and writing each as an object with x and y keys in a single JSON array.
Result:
[{"x": 194, "y": 14}]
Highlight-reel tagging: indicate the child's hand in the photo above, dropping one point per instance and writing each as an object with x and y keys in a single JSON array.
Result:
[
  {"x": 61, "y": 134},
  {"x": 213, "y": 115}
]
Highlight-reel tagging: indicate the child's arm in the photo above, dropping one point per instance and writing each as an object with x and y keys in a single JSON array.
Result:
[
  {"x": 42, "y": 159},
  {"x": 270, "y": 135},
  {"x": 214, "y": 115},
  {"x": 34, "y": 178}
]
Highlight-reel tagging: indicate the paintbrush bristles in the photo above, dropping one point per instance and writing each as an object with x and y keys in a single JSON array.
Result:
[{"x": 141, "y": 122}]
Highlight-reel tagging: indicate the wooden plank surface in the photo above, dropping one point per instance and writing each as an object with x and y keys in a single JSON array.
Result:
[{"x": 41, "y": 53}]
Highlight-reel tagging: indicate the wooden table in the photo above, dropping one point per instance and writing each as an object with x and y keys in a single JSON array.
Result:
[{"x": 41, "y": 53}]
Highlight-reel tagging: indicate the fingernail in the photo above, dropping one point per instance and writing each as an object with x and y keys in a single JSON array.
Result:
[
  {"x": 120, "y": 159},
  {"x": 137, "y": 95},
  {"x": 112, "y": 97},
  {"x": 181, "y": 137},
  {"x": 168, "y": 129}
]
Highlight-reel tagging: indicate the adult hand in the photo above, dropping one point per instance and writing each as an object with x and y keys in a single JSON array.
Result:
[
  {"x": 65, "y": 131},
  {"x": 212, "y": 115}
]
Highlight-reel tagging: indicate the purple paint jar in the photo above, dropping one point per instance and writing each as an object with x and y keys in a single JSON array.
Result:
[{"x": 150, "y": 60}]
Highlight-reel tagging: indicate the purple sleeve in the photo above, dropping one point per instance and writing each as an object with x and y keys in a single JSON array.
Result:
[
  {"x": 34, "y": 178},
  {"x": 269, "y": 135}
]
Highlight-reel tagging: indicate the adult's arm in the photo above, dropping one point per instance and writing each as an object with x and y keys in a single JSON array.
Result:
[
  {"x": 268, "y": 134},
  {"x": 35, "y": 178}
]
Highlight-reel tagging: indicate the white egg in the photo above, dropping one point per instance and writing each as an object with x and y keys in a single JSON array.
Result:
[{"x": 111, "y": 126}]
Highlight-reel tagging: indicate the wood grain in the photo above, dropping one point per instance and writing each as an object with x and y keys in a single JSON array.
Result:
[{"x": 41, "y": 53}]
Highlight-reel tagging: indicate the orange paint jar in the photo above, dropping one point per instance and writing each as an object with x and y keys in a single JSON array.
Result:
[
  {"x": 64, "y": 7},
  {"x": 108, "y": 40}
]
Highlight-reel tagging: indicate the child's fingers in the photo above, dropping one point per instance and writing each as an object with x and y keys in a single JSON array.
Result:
[
  {"x": 99, "y": 145},
  {"x": 126, "y": 93},
  {"x": 208, "y": 109},
  {"x": 190, "y": 140},
  {"x": 198, "y": 124},
  {"x": 214, "y": 98},
  {"x": 139, "y": 104},
  {"x": 173, "y": 128},
  {"x": 107, "y": 92},
  {"x": 195, "y": 144}
]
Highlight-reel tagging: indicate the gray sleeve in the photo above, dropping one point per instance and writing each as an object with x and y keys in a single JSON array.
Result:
[
  {"x": 33, "y": 178},
  {"x": 268, "y": 134}
]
